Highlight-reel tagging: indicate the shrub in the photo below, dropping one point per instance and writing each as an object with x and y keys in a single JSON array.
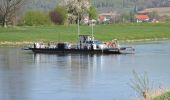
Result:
[
  {"x": 59, "y": 15},
  {"x": 165, "y": 19},
  {"x": 92, "y": 13},
  {"x": 34, "y": 18},
  {"x": 142, "y": 85}
]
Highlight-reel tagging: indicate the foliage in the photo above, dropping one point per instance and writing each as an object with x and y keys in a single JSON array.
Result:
[
  {"x": 153, "y": 15},
  {"x": 141, "y": 85},
  {"x": 76, "y": 9},
  {"x": 117, "y": 4},
  {"x": 165, "y": 19},
  {"x": 92, "y": 13},
  {"x": 106, "y": 4},
  {"x": 34, "y": 18},
  {"x": 165, "y": 96},
  {"x": 59, "y": 15},
  {"x": 126, "y": 17}
]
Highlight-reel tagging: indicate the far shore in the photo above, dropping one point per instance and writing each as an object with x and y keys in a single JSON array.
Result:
[
  {"x": 25, "y": 43},
  {"x": 124, "y": 33}
]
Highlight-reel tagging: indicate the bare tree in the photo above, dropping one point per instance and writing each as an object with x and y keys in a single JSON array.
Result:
[{"x": 8, "y": 9}]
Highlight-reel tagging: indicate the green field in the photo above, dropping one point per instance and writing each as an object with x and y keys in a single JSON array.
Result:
[{"x": 69, "y": 33}]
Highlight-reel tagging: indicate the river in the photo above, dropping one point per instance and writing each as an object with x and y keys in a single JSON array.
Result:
[{"x": 26, "y": 76}]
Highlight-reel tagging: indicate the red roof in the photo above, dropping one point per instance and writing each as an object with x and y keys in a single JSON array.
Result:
[
  {"x": 101, "y": 18},
  {"x": 142, "y": 17}
]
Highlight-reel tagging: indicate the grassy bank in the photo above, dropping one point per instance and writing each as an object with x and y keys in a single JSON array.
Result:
[
  {"x": 165, "y": 96},
  {"x": 69, "y": 33}
]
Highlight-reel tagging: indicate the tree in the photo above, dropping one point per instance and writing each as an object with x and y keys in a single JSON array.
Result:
[
  {"x": 76, "y": 8},
  {"x": 33, "y": 18},
  {"x": 0, "y": 19},
  {"x": 92, "y": 13},
  {"x": 125, "y": 17},
  {"x": 8, "y": 9},
  {"x": 59, "y": 15},
  {"x": 153, "y": 15}
]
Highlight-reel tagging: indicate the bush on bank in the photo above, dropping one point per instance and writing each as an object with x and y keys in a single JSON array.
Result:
[
  {"x": 165, "y": 96},
  {"x": 35, "y": 18}
]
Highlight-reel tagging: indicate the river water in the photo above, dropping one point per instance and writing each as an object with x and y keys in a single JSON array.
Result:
[{"x": 26, "y": 76}]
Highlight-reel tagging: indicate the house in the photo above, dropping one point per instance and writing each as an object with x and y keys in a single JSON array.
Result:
[
  {"x": 87, "y": 21},
  {"x": 142, "y": 18},
  {"x": 106, "y": 17},
  {"x": 102, "y": 18},
  {"x": 161, "y": 13},
  {"x": 92, "y": 22}
]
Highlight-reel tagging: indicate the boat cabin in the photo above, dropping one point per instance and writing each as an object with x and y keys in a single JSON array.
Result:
[{"x": 88, "y": 42}]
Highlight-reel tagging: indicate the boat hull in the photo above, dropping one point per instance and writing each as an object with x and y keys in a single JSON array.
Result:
[{"x": 80, "y": 51}]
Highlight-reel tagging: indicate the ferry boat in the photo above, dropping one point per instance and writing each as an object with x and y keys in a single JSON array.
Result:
[{"x": 86, "y": 45}]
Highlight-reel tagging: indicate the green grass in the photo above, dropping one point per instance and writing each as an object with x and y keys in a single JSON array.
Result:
[
  {"x": 165, "y": 96},
  {"x": 69, "y": 33}
]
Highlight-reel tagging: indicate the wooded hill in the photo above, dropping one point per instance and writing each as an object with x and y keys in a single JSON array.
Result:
[
  {"x": 130, "y": 4},
  {"x": 104, "y": 5}
]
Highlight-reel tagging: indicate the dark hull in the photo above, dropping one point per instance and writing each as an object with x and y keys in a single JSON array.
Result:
[{"x": 80, "y": 51}]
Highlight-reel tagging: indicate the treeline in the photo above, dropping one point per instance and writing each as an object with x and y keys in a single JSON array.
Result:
[
  {"x": 67, "y": 12},
  {"x": 45, "y": 12},
  {"x": 104, "y": 5},
  {"x": 131, "y": 4}
]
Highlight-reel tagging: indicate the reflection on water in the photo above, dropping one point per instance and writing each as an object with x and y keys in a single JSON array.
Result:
[
  {"x": 78, "y": 67},
  {"x": 13, "y": 81},
  {"x": 28, "y": 76}
]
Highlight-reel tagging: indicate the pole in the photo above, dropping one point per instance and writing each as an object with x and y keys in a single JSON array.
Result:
[
  {"x": 79, "y": 41},
  {"x": 92, "y": 32},
  {"x": 78, "y": 22},
  {"x": 78, "y": 25}
]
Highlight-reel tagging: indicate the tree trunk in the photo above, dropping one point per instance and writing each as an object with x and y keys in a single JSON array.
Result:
[{"x": 4, "y": 22}]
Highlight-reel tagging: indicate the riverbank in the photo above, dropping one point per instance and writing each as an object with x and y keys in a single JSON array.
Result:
[
  {"x": 25, "y": 43},
  {"x": 164, "y": 96},
  {"x": 26, "y": 35}
]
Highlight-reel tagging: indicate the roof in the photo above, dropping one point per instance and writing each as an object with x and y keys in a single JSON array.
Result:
[
  {"x": 142, "y": 17},
  {"x": 162, "y": 11},
  {"x": 108, "y": 14},
  {"x": 102, "y": 18}
]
